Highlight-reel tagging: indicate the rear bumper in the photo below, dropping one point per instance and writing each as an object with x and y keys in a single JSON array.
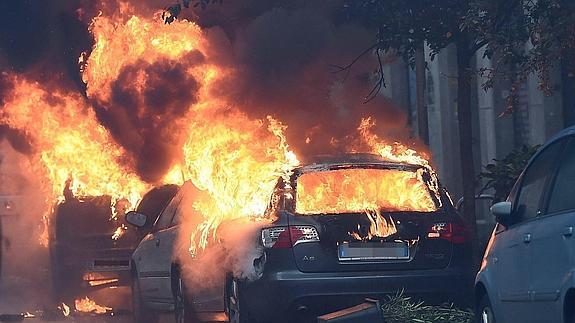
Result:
[
  {"x": 279, "y": 292},
  {"x": 92, "y": 269}
]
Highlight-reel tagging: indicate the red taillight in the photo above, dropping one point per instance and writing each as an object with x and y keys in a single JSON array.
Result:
[
  {"x": 287, "y": 237},
  {"x": 453, "y": 232}
]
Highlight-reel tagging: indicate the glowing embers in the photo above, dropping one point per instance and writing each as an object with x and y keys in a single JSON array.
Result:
[
  {"x": 87, "y": 305},
  {"x": 355, "y": 190},
  {"x": 65, "y": 309},
  {"x": 119, "y": 232}
]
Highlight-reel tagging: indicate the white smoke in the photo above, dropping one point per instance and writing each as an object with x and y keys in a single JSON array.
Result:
[{"x": 233, "y": 249}]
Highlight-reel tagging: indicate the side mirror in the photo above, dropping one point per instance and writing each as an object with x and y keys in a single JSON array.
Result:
[
  {"x": 136, "y": 219},
  {"x": 502, "y": 212}
]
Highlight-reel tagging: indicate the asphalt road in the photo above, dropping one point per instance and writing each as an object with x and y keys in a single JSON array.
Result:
[
  {"x": 25, "y": 283},
  {"x": 20, "y": 295}
]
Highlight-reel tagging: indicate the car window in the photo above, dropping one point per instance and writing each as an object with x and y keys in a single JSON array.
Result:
[
  {"x": 561, "y": 198},
  {"x": 165, "y": 219},
  {"x": 533, "y": 182}
]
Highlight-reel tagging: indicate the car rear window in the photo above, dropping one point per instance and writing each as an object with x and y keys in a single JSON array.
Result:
[{"x": 355, "y": 190}]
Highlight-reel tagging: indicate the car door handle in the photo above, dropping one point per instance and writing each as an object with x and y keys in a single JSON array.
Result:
[
  {"x": 568, "y": 231},
  {"x": 527, "y": 238},
  {"x": 157, "y": 242}
]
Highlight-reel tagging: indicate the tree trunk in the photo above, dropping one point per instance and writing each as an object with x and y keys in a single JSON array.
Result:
[
  {"x": 465, "y": 136},
  {"x": 420, "y": 90}
]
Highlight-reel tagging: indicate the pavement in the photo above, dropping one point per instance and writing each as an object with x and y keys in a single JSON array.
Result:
[
  {"x": 19, "y": 295},
  {"x": 25, "y": 284}
]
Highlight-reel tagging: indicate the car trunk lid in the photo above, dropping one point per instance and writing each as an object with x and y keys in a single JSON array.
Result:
[{"x": 344, "y": 243}]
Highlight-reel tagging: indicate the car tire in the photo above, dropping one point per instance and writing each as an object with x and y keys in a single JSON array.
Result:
[
  {"x": 184, "y": 309},
  {"x": 235, "y": 303},
  {"x": 484, "y": 311},
  {"x": 140, "y": 313}
]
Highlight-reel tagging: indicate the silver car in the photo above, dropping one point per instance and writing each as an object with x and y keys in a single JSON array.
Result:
[
  {"x": 157, "y": 285},
  {"x": 527, "y": 272}
]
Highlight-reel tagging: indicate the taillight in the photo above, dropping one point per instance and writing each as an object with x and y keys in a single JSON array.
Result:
[
  {"x": 453, "y": 232},
  {"x": 287, "y": 237}
]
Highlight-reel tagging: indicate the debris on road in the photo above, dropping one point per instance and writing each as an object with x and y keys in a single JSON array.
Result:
[{"x": 369, "y": 311}]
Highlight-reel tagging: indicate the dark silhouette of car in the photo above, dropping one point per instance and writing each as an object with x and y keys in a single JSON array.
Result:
[{"x": 84, "y": 256}]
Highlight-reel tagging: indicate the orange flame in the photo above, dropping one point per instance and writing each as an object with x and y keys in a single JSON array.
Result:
[
  {"x": 360, "y": 189},
  {"x": 65, "y": 309},
  {"x": 87, "y": 305},
  {"x": 236, "y": 160},
  {"x": 70, "y": 144},
  {"x": 119, "y": 232},
  {"x": 379, "y": 227}
]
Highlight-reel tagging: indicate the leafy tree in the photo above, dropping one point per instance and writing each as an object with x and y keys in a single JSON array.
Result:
[
  {"x": 502, "y": 174},
  {"x": 525, "y": 36}
]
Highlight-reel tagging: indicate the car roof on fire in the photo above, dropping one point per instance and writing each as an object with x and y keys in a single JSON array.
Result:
[{"x": 321, "y": 162}]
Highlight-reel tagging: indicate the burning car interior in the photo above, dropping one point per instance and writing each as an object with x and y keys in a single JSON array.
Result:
[{"x": 270, "y": 161}]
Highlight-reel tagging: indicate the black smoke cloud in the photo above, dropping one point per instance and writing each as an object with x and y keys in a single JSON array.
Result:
[
  {"x": 286, "y": 56},
  {"x": 283, "y": 52},
  {"x": 144, "y": 119}
]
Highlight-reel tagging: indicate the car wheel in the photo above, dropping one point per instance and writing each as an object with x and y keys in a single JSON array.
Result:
[
  {"x": 140, "y": 313},
  {"x": 184, "y": 310},
  {"x": 235, "y": 303},
  {"x": 484, "y": 312}
]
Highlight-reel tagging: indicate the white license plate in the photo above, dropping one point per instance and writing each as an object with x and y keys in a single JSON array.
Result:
[{"x": 350, "y": 251}]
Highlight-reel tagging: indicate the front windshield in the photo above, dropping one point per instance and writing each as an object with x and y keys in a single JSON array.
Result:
[{"x": 354, "y": 190}]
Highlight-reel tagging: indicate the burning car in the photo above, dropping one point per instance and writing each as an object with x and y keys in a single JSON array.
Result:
[
  {"x": 90, "y": 249},
  {"x": 345, "y": 229},
  {"x": 335, "y": 232}
]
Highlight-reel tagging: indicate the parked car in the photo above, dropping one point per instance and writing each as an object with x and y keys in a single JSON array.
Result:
[
  {"x": 527, "y": 271},
  {"x": 155, "y": 272},
  {"x": 316, "y": 260},
  {"x": 83, "y": 254}
]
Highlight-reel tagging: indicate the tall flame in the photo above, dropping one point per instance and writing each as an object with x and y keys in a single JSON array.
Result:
[
  {"x": 73, "y": 148},
  {"x": 234, "y": 159}
]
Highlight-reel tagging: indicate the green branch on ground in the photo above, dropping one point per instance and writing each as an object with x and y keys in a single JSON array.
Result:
[{"x": 402, "y": 309}]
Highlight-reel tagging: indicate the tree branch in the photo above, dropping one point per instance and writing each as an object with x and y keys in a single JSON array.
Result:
[
  {"x": 380, "y": 83},
  {"x": 348, "y": 67},
  {"x": 478, "y": 45}
]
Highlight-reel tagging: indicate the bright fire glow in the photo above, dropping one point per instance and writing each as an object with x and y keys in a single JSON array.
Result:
[
  {"x": 378, "y": 227},
  {"x": 359, "y": 189},
  {"x": 87, "y": 305},
  {"x": 119, "y": 232},
  {"x": 235, "y": 159},
  {"x": 65, "y": 309},
  {"x": 70, "y": 146}
]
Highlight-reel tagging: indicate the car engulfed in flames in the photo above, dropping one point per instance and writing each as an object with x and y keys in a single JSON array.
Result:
[{"x": 353, "y": 227}]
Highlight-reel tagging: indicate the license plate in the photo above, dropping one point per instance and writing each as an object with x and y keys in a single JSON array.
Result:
[{"x": 350, "y": 251}]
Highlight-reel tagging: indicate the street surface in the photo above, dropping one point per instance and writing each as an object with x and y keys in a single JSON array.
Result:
[{"x": 25, "y": 287}]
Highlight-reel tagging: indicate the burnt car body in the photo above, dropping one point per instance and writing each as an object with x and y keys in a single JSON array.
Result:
[
  {"x": 83, "y": 254},
  {"x": 312, "y": 265},
  {"x": 11, "y": 204}
]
